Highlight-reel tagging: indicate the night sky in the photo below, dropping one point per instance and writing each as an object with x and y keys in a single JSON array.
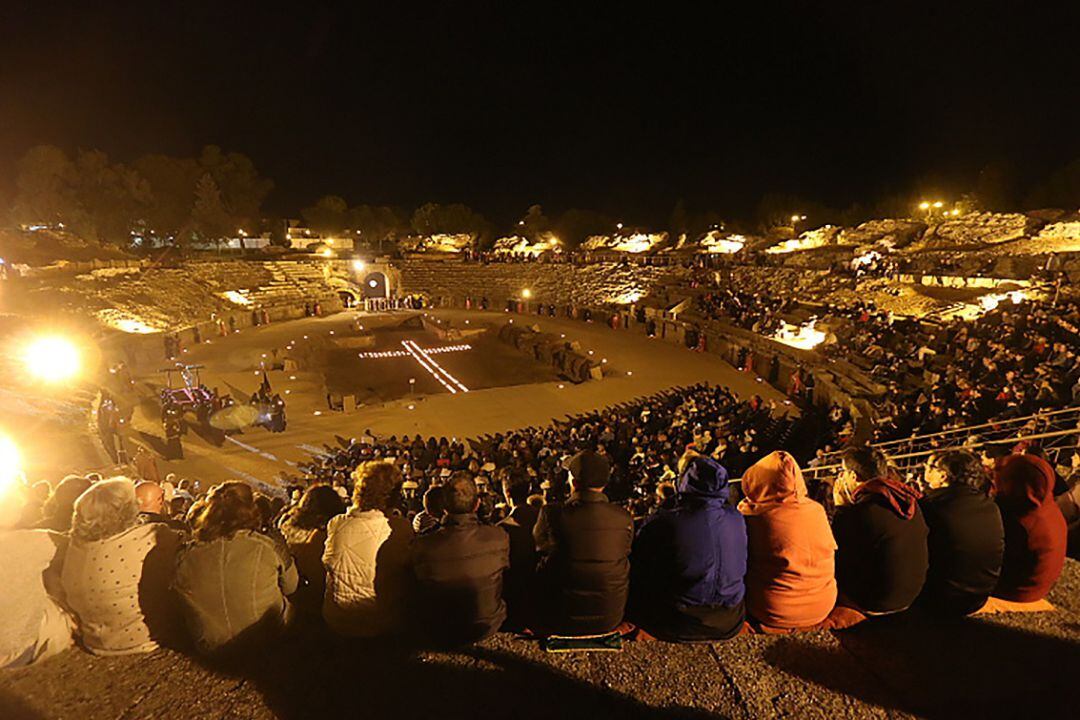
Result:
[{"x": 502, "y": 105}]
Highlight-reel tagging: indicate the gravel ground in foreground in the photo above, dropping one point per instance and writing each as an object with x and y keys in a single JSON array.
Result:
[{"x": 1009, "y": 665}]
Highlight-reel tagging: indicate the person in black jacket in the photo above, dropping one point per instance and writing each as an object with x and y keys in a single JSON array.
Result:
[
  {"x": 966, "y": 539},
  {"x": 584, "y": 546},
  {"x": 881, "y": 557},
  {"x": 519, "y": 524},
  {"x": 459, "y": 570}
]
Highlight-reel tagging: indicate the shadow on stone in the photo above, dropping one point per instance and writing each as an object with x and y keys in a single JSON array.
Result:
[
  {"x": 318, "y": 676},
  {"x": 13, "y": 707},
  {"x": 944, "y": 669}
]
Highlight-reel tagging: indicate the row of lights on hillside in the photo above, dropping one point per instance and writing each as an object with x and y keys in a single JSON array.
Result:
[{"x": 931, "y": 206}]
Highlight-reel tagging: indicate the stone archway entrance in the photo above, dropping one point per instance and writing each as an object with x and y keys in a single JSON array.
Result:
[
  {"x": 375, "y": 285},
  {"x": 348, "y": 298}
]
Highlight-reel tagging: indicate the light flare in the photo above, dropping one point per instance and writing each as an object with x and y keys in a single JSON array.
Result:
[
  {"x": 10, "y": 465},
  {"x": 52, "y": 359}
]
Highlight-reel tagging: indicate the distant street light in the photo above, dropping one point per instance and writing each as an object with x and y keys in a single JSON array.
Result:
[{"x": 929, "y": 206}]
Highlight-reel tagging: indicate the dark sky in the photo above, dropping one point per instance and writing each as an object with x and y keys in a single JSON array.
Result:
[{"x": 502, "y": 105}]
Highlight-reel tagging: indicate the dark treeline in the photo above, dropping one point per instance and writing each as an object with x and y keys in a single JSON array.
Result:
[{"x": 201, "y": 200}]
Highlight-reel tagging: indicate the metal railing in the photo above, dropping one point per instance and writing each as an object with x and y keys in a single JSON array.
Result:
[
  {"x": 910, "y": 464},
  {"x": 998, "y": 430}
]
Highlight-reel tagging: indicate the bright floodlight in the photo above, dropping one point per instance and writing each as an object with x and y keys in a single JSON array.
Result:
[
  {"x": 526, "y": 293},
  {"x": 52, "y": 359},
  {"x": 358, "y": 265},
  {"x": 9, "y": 464}
]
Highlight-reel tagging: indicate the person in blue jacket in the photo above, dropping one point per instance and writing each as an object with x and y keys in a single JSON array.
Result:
[{"x": 688, "y": 563}]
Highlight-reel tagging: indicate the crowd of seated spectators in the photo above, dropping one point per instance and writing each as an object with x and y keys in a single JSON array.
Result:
[
  {"x": 757, "y": 312},
  {"x": 1014, "y": 361},
  {"x": 684, "y": 515},
  {"x": 642, "y": 439},
  {"x": 1011, "y": 362}
]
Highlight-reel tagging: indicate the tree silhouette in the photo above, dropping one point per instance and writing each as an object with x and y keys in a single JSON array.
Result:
[{"x": 209, "y": 218}]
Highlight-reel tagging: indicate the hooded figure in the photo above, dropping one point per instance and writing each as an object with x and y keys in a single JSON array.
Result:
[
  {"x": 688, "y": 563},
  {"x": 881, "y": 537},
  {"x": 791, "y": 581},
  {"x": 1035, "y": 531}
]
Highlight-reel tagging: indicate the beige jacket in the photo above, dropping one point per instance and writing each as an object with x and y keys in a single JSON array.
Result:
[
  {"x": 230, "y": 585},
  {"x": 118, "y": 589},
  {"x": 366, "y": 557}
]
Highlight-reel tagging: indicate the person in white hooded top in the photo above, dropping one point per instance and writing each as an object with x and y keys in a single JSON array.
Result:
[
  {"x": 32, "y": 625},
  {"x": 367, "y": 558}
]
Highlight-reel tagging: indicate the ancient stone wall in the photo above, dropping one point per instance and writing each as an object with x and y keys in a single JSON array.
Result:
[
  {"x": 158, "y": 298},
  {"x": 595, "y": 285}
]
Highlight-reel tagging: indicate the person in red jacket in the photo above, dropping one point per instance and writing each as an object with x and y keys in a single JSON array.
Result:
[{"x": 1035, "y": 531}]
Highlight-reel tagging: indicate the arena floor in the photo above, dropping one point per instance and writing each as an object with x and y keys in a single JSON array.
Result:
[
  {"x": 382, "y": 371},
  {"x": 526, "y": 394}
]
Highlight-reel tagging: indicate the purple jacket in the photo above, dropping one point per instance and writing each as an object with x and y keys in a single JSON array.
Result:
[{"x": 694, "y": 554}]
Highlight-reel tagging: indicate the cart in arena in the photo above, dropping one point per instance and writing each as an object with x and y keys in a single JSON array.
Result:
[{"x": 184, "y": 392}]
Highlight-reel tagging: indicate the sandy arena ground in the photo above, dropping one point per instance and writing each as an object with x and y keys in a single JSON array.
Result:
[{"x": 636, "y": 366}]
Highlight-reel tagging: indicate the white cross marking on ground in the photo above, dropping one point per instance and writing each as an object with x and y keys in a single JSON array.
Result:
[
  {"x": 404, "y": 353},
  {"x": 423, "y": 357}
]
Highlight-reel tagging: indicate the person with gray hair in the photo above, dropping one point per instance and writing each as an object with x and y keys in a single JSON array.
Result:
[
  {"x": 116, "y": 572},
  {"x": 32, "y": 625}
]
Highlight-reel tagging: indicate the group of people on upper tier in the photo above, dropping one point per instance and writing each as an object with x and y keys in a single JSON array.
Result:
[
  {"x": 230, "y": 574},
  {"x": 1015, "y": 360}
]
